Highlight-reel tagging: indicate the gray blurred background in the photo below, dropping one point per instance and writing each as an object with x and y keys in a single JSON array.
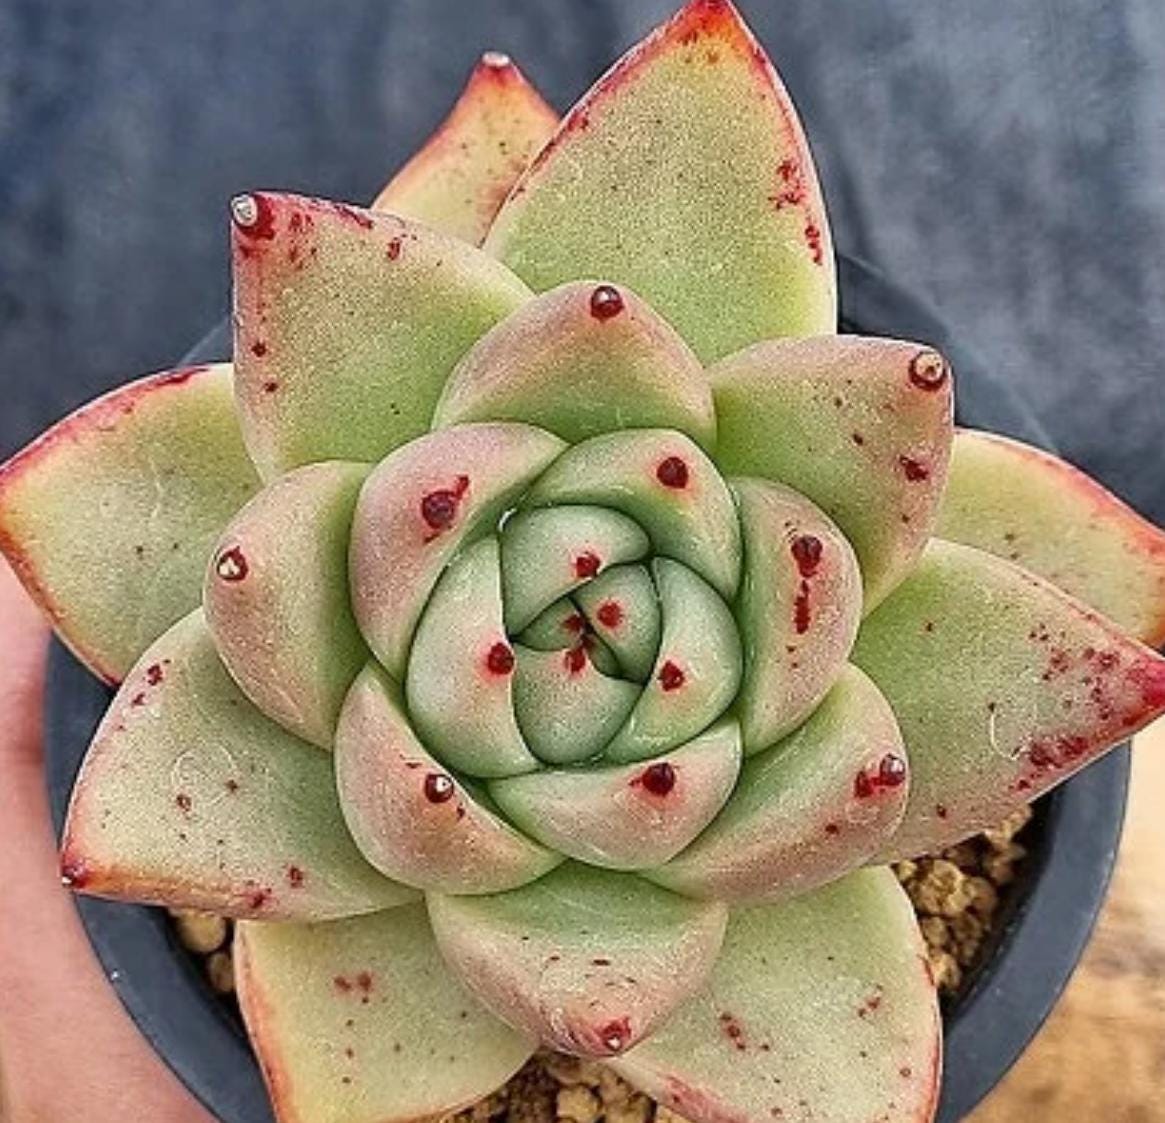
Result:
[{"x": 1007, "y": 160}]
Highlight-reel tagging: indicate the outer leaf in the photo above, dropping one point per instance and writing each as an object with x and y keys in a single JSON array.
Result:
[
  {"x": 822, "y": 1008},
  {"x": 798, "y": 612},
  {"x": 109, "y": 517},
  {"x": 359, "y": 1021},
  {"x": 418, "y": 507},
  {"x": 1003, "y": 686},
  {"x": 586, "y": 960},
  {"x": 347, "y": 324},
  {"x": 629, "y": 816},
  {"x": 684, "y": 166},
  {"x": 1035, "y": 509},
  {"x": 697, "y": 671},
  {"x": 459, "y": 684},
  {"x": 276, "y": 598},
  {"x": 808, "y": 810},
  {"x": 412, "y": 818},
  {"x": 582, "y": 360},
  {"x": 860, "y": 426},
  {"x": 664, "y": 482},
  {"x": 190, "y": 797},
  {"x": 458, "y": 180}
]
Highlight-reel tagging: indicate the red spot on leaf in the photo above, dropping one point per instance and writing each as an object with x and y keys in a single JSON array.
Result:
[
  {"x": 802, "y": 614},
  {"x": 359, "y": 217},
  {"x": 673, "y": 473},
  {"x": 606, "y": 302},
  {"x": 732, "y": 1029},
  {"x": 258, "y": 348},
  {"x": 928, "y": 370},
  {"x": 295, "y": 877},
  {"x": 74, "y": 874},
  {"x": 183, "y": 802},
  {"x": 659, "y": 778},
  {"x": 671, "y": 676},
  {"x": 270, "y": 386},
  {"x": 587, "y": 564},
  {"x": 254, "y": 217},
  {"x": 154, "y": 674},
  {"x": 500, "y": 659},
  {"x": 394, "y": 248},
  {"x": 575, "y": 659},
  {"x": 439, "y": 508},
  {"x": 438, "y": 787},
  {"x": 814, "y": 241},
  {"x": 914, "y": 470},
  {"x": 806, "y": 550},
  {"x": 610, "y": 614},
  {"x": 231, "y": 565}
]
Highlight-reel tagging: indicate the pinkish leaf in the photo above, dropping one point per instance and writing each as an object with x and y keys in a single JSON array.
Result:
[
  {"x": 1037, "y": 510},
  {"x": 862, "y": 427},
  {"x": 410, "y": 817},
  {"x": 190, "y": 797},
  {"x": 1003, "y": 686},
  {"x": 627, "y": 816},
  {"x": 360, "y": 1021},
  {"x": 459, "y": 179},
  {"x": 586, "y": 960},
  {"x": 276, "y": 598},
  {"x": 806, "y": 811},
  {"x": 347, "y": 324},
  {"x": 683, "y": 174},
  {"x": 822, "y": 1008},
  {"x": 109, "y": 517},
  {"x": 581, "y": 360},
  {"x": 798, "y": 612}
]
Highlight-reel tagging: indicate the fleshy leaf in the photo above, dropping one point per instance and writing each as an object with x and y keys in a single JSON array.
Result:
[
  {"x": 417, "y": 508},
  {"x": 567, "y": 710},
  {"x": 190, "y": 797},
  {"x": 862, "y": 427},
  {"x": 697, "y": 671},
  {"x": 360, "y": 1021},
  {"x": 628, "y": 816},
  {"x": 549, "y": 553},
  {"x": 622, "y": 607},
  {"x": 347, "y": 323},
  {"x": 459, "y": 684},
  {"x": 586, "y": 960},
  {"x": 563, "y": 625},
  {"x": 1003, "y": 686},
  {"x": 109, "y": 517},
  {"x": 663, "y": 481},
  {"x": 581, "y": 360},
  {"x": 1032, "y": 508},
  {"x": 806, "y": 811},
  {"x": 459, "y": 179},
  {"x": 819, "y": 1008},
  {"x": 276, "y": 598},
  {"x": 410, "y": 818},
  {"x": 685, "y": 175},
  {"x": 799, "y": 609}
]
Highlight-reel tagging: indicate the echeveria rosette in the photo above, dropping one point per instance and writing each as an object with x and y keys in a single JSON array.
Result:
[{"x": 588, "y": 632}]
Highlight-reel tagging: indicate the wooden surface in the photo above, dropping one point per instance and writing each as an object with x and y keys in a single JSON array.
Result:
[{"x": 1101, "y": 1056}]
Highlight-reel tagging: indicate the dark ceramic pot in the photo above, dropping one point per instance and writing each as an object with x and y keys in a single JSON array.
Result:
[{"x": 1042, "y": 933}]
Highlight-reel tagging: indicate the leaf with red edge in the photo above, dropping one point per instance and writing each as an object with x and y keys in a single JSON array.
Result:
[
  {"x": 347, "y": 324},
  {"x": 806, "y": 811},
  {"x": 108, "y": 518},
  {"x": 860, "y": 426},
  {"x": 685, "y": 175},
  {"x": 1003, "y": 686},
  {"x": 190, "y": 797},
  {"x": 461, "y": 176},
  {"x": 412, "y": 819},
  {"x": 1039, "y": 511},
  {"x": 821, "y": 1008},
  {"x": 359, "y": 1021},
  {"x": 276, "y": 598},
  {"x": 589, "y": 961}
]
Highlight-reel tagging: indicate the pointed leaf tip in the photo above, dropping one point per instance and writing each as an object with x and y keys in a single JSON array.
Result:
[
  {"x": 347, "y": 324},
  {"x": 108, "y": 517},
  {"x": 462, "y": 174},
  {"x": 614, "y": 194},
  {"x": 1037, "y": 510},
  {"x": 1003, "y": 686}
]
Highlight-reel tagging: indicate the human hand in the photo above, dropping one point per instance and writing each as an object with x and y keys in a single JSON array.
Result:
[{"x": 68, "y": 1050}]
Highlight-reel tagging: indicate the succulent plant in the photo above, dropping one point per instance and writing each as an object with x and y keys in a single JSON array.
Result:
[{"x": 556, "y": 626}]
